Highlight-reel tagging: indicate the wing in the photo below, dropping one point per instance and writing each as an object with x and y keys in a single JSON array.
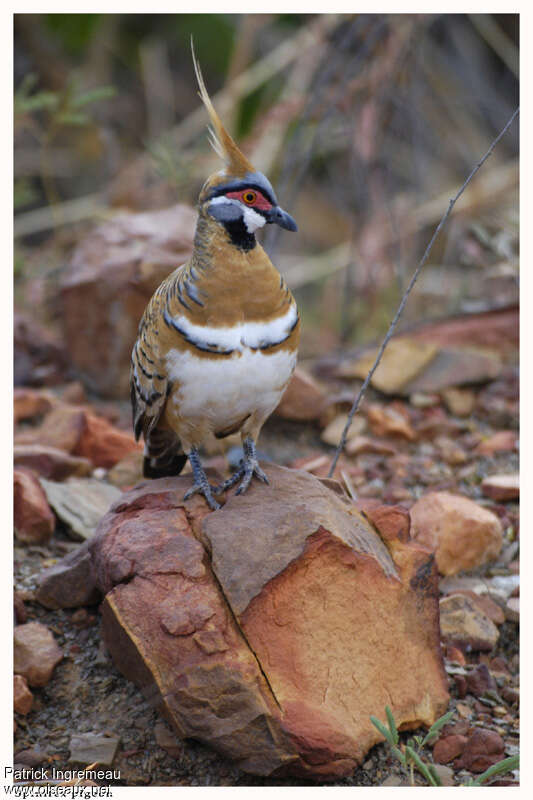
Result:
[{"x": 148, "y": 382}]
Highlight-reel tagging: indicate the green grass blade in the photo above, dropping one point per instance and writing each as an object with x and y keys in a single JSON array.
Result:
[
  {"x": 506, "y": 765},
  {"x": 421, "y": 767},
  {"x": 392, "y": 724},
  {"x": 382, "y": 729},
  {"x": 435, "y": 728}
]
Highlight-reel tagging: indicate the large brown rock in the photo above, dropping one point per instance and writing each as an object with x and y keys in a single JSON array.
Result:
[
  {"x": 273, "y": 628},
  {"x": 50, "y": 462},
  {"x": 112, "y": 275},
  {"x": 463, "y": 534}
]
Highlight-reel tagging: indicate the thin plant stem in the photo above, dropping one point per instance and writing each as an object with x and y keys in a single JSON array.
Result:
[{"x": 444, "y": 219}]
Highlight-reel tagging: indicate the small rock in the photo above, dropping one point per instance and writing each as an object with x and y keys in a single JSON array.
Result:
[
  {"x": 502, "y": 586},
  {"x": 455, "y": 655},
  {"x": 31, "y": 403},
  {"x": 22, "y": 697},
  {"x": 462, "y": 533},
  {"x": 103, "y": 444},
  {"x": 31, "y": 757},
  {"x": 487, "y": 606},
  {"x": 449, "y": 747},
  {"x": 480, "y": 681},
  {"x": 34, "y": 520},
  {"x": 69, "y": 583},
  {"x": 393, "y": 780},
  {"x": 90, "y": 748},
  {"x": 460, "y": 683},
  {"x": 358, "y": 445},
  {"x": 128, "y": 471},
  {"x": 510, "y": 695},
  {"x": 50, "y": 462},
  {"x": 462, "y": 622},
  {"x": 483, "y": 749},
  {"x": 167, "y": 740},
  {"x": 36, "y": 653},
  {"x": 402, "y": 361},
  {"x": 80, "y": 503},
  {"x": 21, "y": 615},
  {"x": 420, "y": 400},
  {"x": 445, "y": 774},
  {"x": 512, "y": 609},
  {"x": 391, "y": 420},
  {"x": 450, "y": 451},
  {"x": 459, "y": 402},
  {"x": 332, "y": 433},
  {"x": 499, "y": 442},
  {"x": 304, "y": 399},
  {"x": 463, "y": 710},
  {"x": 501, "y": 488}
]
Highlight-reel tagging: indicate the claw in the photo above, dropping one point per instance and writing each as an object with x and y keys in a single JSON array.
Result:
[
  {"x": 247, "y": 469},
  {"x": 201, "y": 484}
]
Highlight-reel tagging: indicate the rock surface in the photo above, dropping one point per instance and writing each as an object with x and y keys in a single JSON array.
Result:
[
  {"x": 34, "y": 520},
  {"x": 91, "y": 748},
  {"x": 70, "y": 583},
  {"x": 463, "y": 623},
  {"x": 50, "y": 462},
  {"x": 304, "y": 399},
  {"x": 501, "y": 488},
  {"x": 112, "y": 275},
  {"x": 462, "y": 533},
  {"x": 22, "y": 697},
  {"x": 36, "y": 653},
  {"x": 271, "y": 630},
  {"x": 80, "y": 503}
]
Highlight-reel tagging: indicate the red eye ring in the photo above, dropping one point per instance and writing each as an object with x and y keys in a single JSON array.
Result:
[{"x": 249, "y": 197}]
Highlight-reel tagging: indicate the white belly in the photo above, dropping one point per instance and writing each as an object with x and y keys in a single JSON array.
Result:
[{"x": 227, "y": 389}]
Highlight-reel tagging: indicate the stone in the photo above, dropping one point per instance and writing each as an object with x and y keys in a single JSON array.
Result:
[
  {"x": 128, "y": 471},
  {"x": 104, "y": 290},
  {"x": 50, "y": 462},
  {"x": 80, "y": 503},
  {"x": 19, "y": 608},
  {"x": 402, "y": 361},
  {"x": 91, "y": 748},
  {"x": 449, "y": 747},
  {"x": 391, "y": 420},
  {"x": 487, "y": 606},
  {"x": 31, "y": 756},
  {"x": 501, "y": 488},
  {"x": 451, "y": 452},
  {"x": 36, "y": 653},
  {"x": 499, "y": 442},
  {"x": 462, "y": 623},
  {"x": 454, "y": 367},
  {"x": 34, "y": 520},
  {"x": 70, "y": 583},
  {"x": 446, "y": 774},
  {"x": 22, "y": 697},
  {"x": 497, "y": 330},
  {"x": 358, "y": 445},
  {"x": 480, "y": 681},
  {"x": 240, "y": 624},
  {"x": 512, "y": 609},
  {"x": 459, "y": 402},
  {"x": 31, "y": 403},
  {"x": 333, "y": 431},
  {"x": 462, "y": 534},
  {"x": 483, "y": 749},
  {"x": 167, "y": 740},
  {"x": 39, "y": 357},
  {"x": 304, "y": 399},
  {"x": 79, "y": 432}
]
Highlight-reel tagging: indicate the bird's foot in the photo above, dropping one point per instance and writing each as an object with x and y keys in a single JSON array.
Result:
[
  {"x": 248, "y": 468},
  {"x": 201, "y": 485}
]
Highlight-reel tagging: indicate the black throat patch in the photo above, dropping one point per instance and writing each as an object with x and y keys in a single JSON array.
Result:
[{"x": 240, "y": 235}]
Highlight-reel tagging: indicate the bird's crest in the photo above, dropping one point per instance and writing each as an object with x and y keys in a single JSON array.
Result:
[{"x": 222, "y": 143}]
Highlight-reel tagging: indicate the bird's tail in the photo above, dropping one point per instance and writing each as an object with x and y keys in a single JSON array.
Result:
[{"x": 163, "y": 456}]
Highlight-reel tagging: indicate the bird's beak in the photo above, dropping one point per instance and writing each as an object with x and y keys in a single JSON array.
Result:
[{"x": 281, "y": 218}]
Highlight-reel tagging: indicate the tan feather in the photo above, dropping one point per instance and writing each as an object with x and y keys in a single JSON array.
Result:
[{"x": 220, "y": 140}]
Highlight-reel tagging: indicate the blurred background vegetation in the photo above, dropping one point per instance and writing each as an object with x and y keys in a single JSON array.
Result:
[{"x": 365, "y": 124}]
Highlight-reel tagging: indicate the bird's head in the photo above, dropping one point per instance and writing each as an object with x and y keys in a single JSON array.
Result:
[{"x": 238, "y": 197}]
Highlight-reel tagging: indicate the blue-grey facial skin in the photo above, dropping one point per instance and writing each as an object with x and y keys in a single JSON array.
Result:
[{"x": 227, "y": 213}]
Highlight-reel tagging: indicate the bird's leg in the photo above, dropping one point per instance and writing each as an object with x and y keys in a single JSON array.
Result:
[
  {"x": 201, "y": 484},
  {"x": 248, "y": 467}
]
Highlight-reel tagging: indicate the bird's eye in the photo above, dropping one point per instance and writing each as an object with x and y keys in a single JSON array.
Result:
[{"x": 249, "y": 198}]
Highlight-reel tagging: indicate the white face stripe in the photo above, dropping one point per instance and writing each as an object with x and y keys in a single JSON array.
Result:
[
  {"x": 246, "y": 334},
  {"x": 252, "y": 219}
]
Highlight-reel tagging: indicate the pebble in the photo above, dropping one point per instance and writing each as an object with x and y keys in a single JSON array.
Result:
[
  {"x": 501, "y": 488},
  {"x": 36, "y": 653},
  {"x": 22, "y": 697},
  {"x": 461, "y": 621},
  {"x": 512, "y": 609},
  {"x": 87, "y": 748}
]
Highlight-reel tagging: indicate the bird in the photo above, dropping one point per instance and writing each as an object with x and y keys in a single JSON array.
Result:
[{"x": 217, "y": 343}]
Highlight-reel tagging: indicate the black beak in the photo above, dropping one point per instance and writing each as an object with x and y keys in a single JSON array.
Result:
[{"x": 281, "y": 218}]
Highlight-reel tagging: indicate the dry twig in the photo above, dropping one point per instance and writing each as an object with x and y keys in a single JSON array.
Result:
[{"x": 407, "y": 292}]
